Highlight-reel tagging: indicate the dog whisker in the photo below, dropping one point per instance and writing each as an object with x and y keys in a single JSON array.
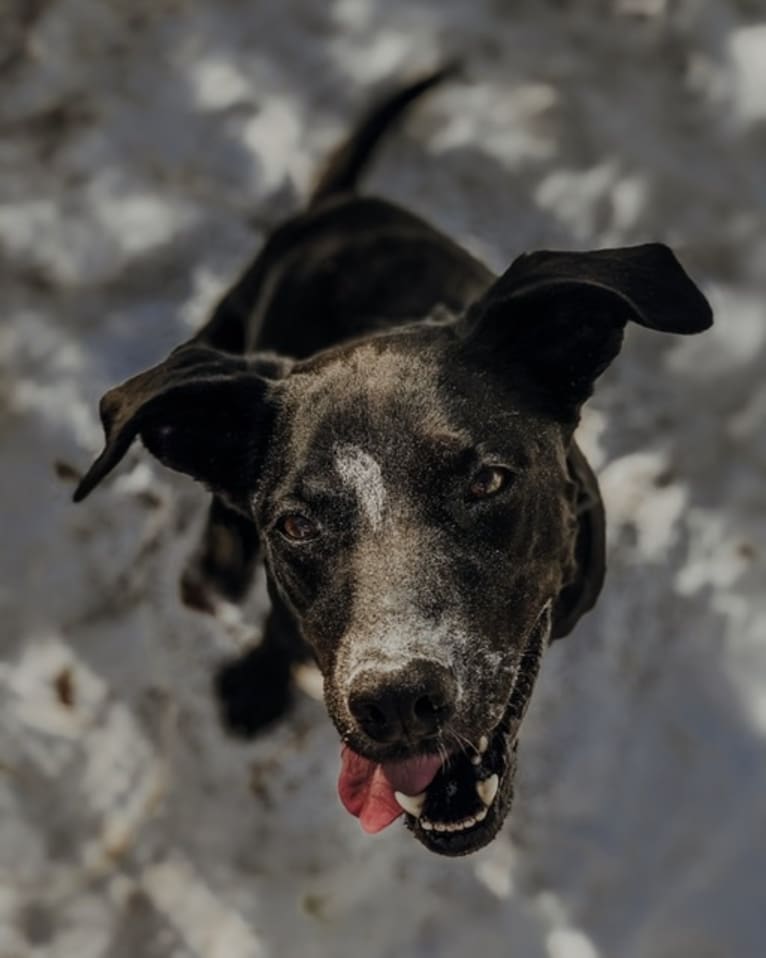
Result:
[
  {"x": 465, "y": 745},
  {"x": 443, "y": 753}
]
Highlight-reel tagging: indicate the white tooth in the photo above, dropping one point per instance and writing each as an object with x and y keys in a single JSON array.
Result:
[
  {"x": 487, "y": 789},
  {"x": 480, "y": 816},
  {"x": 476, "y": 759},
  {"x": 426, "y": 825},
  {"x": 483, "y": 744},
  {"x": 468, "y": 822},
  {"x": 411, "y": 803},
  {"x": 440, "y": 827}
]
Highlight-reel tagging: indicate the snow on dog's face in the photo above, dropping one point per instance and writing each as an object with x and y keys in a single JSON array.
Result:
[{"x": 419, "y": 523}]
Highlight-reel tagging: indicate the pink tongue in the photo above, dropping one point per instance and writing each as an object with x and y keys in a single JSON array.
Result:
[{"x": 367, "y": 788}]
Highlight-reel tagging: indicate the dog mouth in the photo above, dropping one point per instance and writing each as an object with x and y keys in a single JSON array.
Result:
[{"x": 453, "y": 802}]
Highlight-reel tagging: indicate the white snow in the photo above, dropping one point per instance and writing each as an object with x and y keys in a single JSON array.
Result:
[{"x": 146, "y": 147}]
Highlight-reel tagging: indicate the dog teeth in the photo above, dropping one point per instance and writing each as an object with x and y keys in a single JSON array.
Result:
[
  {"x": 460, "y": 826},
  {"x": 487, "y": 789},
  {"x": 481, "y": 749},
  {"x": 412, "y": 804}
]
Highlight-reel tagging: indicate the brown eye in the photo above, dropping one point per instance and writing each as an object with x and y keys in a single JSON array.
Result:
[
  {"x": 488, "y": 481},
  {"x": 297, "y": 528}
]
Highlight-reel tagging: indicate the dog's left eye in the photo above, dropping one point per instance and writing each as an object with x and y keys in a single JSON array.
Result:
[
  {"x": 297, "y": 528},
  {"x": 488, "y": 481}
]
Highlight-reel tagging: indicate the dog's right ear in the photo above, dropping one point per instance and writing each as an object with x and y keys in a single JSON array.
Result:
[{"x": 202, "y": 412}]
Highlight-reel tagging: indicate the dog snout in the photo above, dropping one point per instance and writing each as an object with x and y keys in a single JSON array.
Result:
[{"x": 407, "y": 705}]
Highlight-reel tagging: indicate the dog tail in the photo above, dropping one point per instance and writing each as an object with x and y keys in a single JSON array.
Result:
[{"x": 344, "y": 168}]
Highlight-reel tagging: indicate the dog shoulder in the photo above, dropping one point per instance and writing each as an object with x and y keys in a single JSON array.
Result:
[{"x": 345, "y": 268}]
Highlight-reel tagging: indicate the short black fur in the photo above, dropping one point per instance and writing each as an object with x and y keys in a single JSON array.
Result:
[{"x": 360, "y": 375}]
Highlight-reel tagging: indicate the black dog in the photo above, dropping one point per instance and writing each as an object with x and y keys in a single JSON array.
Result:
[{"x": 389, "y": 427}]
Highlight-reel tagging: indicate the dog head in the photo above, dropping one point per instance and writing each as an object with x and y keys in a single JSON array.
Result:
[{"x": 424, "y": 512}]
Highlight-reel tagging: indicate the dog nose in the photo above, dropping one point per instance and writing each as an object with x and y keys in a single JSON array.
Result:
[{"x": 410, "y": 704}]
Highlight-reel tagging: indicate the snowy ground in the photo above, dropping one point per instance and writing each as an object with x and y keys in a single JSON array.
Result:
[{"x": 146, "y": 146}]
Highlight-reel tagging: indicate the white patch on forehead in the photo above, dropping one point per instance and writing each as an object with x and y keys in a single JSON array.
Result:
[{"x": 360, "y": 472}]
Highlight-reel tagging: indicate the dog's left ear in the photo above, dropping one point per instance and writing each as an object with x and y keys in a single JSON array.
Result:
[
  {"x": 557, "y": 318},
  {"x": 202, "y": 412}
]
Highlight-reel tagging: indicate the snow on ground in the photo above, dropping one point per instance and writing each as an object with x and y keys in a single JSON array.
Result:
[{"x": 146, "y": 147}]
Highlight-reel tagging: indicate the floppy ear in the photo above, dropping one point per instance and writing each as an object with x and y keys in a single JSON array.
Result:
[
  {"x": 201, "y": 412},
  {"x": 559, "y": 317}
]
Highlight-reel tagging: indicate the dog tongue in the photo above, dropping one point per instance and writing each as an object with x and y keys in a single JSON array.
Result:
[{"x": 367, "y": 788}]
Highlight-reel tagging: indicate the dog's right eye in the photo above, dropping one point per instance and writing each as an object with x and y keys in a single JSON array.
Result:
[
  {"x": 297, "y": 528},
  {"x": 488, "y": 481}
]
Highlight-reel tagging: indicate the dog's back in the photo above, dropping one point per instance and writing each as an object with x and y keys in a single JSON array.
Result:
[{"x": 301, "y": 294}]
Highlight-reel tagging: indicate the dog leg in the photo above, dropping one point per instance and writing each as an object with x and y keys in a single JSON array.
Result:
[
  {"x": 256, "y": 689},
  {"x": 225, "y": 561}
]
